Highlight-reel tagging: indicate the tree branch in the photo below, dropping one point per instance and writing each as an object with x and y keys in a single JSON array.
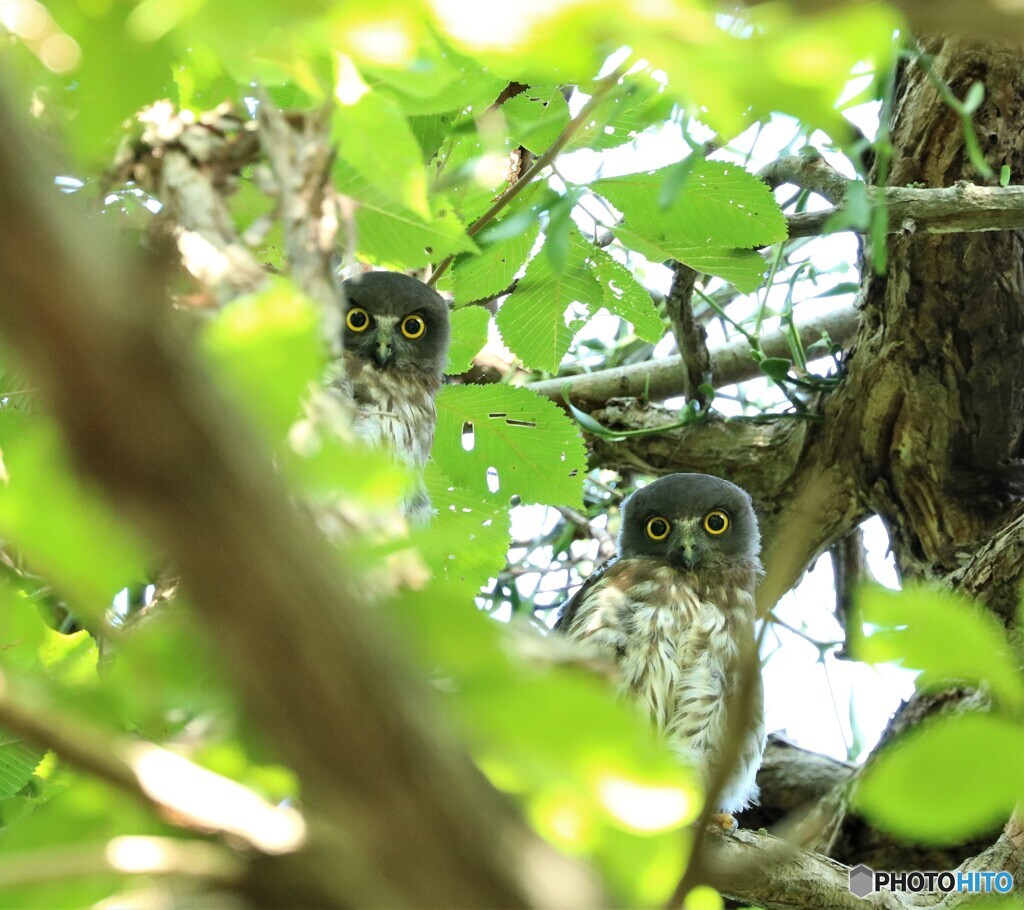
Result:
[
  {"x": 601, "y": 88},
  {"x": 691, "y": 337},
  {"x": 144, "y": 421},
  {"x": 183, "y": 793},
  {"x": 301, "y": 155},
  {"x": 779, "y": 876},
  {"x": 187, "y": 162},
  {"x": 657, "y": 380},
  {"x": 961, "y": 209},
  {"x": 808, "y": 172}
]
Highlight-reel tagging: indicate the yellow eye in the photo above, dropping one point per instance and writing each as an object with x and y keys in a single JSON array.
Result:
[
  {"x": 716, "y": 522},
  {"x": 357, "y": 319},
  {"x": 413, "y": 326},
  {"x": 657, "y": 528}
]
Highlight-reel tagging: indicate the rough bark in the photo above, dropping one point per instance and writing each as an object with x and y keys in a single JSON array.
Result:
[{"x": 924, "y": 430}]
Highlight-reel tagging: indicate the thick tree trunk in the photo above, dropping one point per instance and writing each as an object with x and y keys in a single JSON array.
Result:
[
  {"x": 933, "y": 409},
  {"x": 925, "y": 430}
]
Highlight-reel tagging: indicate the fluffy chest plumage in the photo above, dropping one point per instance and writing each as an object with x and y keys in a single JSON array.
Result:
[
  {"x": 674, "y": 638},
  {"x": 679, "y": 639},
  {"x": 395, "y": 410}
]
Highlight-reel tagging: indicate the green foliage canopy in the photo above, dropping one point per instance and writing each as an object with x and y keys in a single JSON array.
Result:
[{"x": 422, "y": 154}]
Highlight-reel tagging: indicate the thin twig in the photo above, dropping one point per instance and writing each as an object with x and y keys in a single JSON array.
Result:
[
  {"x": 691, "y": 337},
  {"x": 601, "y": 88}
]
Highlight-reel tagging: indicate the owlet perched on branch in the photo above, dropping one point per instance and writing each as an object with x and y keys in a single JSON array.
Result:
[
  {"x": 675, "y": 609},
  {"x": 395, "y": 348}
]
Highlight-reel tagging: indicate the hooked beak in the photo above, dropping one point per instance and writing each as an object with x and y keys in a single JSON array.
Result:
[
  {"x": 686, "y": 553},
  {"x": 383, "y": 350}
]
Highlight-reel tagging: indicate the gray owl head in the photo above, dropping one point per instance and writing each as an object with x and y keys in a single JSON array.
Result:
[
  {"x": 690, "y": 521},
  {"x": 395, "y": 322}
]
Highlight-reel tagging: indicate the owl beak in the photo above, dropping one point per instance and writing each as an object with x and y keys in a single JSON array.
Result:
[
  {"x": 688, "y": 558},
  {"x": 686, "y": 552},
  {"x": 383, "y": 350}
]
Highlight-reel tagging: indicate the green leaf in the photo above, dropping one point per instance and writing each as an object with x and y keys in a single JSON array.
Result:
[
  {"x": 267, "y": 348},
  {"x": 536, "y": 451},
  {"x": 719, "y": 201},
  {"x": 94, "y": 91},
  {"x": 22, "y": 631},
  {"x": 18, "y": 762},
  {"x": 389, "y": 234},
  {"x": 536, "y": 117},
  {"x": 436, "y": 80},
  {"x": 946, "y": 781},
  {"x": 639, "y": 103},
  {"x": 587, "y": 767},
  {"x": 469, "y": 334},
  {"x": 494, "y": 268},
  {"x": 323, "y": 465},
  {"x": 945, "y": 637},
  {"x": 626, "y": 297},
  {"x": 743, "y": 268},
  {"x": 84, "y": 812},
  {"x": 374, "y": 138},
  {"x": 166, "y": 674},
  {"x": 720, "y": 215},
  {"x": 472, "y": 170},
  {"x": 558, "y": 233},
  {"x": 532, "y": 319},
  {"x": 776, "y": 368},
  {"x": 430, "y": 131},
  {"x": 70, "y": 659},
  {"x": 63, "y": 527},
  {"x": 468, "y": 538}
]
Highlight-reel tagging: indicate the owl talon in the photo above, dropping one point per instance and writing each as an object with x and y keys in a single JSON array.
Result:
[{"x": 722, "y": 821}]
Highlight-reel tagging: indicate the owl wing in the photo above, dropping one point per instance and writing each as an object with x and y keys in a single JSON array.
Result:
[{"x": 572, "y": 606}]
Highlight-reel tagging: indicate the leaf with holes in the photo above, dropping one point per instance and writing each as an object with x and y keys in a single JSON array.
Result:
[
  {"x": 626, "y": 297},
  {"x": 536, "y": 117},
  {"x": 388, "y": 233},
  {"x": 504, "y": 441},
  {"x": 719, "y": 216},
  {"x": 636, "y": 104},
  {"x": 468, "y": 538}
]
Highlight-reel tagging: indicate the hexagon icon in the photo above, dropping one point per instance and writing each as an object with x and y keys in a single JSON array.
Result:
[{"x": 862, "y": 880}]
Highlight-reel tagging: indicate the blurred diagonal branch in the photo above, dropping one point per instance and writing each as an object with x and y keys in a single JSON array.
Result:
[{"x": 144, "y": 423}]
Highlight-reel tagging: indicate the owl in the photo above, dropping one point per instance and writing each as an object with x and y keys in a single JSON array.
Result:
[
  {"x": 675, "y": 611},
  {"x": 395, "y": 347}
]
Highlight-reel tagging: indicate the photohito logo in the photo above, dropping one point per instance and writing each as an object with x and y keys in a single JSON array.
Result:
[{"x": 864, "y": 880}]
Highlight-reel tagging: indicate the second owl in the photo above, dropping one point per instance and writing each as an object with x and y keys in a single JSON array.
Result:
[{"x": 675, "y": 610}]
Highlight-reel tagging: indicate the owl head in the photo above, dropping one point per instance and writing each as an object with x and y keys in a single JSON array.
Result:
[
  {"x": 690, "y": 521},
  {"x": 395, "y": 322}
]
